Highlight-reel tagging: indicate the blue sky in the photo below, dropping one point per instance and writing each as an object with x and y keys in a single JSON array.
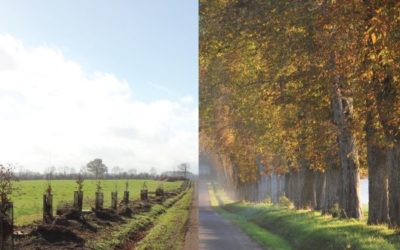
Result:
[
  {"x": 151, "y": 44},
  {"x": 89, "y": 79}
]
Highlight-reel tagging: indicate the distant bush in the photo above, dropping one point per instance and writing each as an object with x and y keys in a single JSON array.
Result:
[
  {"x": 285, "y": 202},
  {"x": 172, "y": 178},
  {"x": 335, "y": 211},
  {"x": 268, "y": 200}
]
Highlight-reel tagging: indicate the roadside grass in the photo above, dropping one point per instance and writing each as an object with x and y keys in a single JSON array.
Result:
[
  {"x": 116, "y": 235},
  {"x": 265, "y": 238},
  {"x": 28, "y": 194},
  {"x": 306, "y": 229},
  {"x": 169, "y": 230},
  {"x": 310, "y": 230},
  {"x": 138, "y": 226}
]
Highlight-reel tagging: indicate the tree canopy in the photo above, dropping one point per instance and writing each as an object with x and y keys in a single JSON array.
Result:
[{"x": 293, "y": 84}]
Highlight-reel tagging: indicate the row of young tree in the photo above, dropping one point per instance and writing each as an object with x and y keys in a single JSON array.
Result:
[{"x": 308, "y": 90}]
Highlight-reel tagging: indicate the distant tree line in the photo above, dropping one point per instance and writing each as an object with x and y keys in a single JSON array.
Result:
[{"x": 95, "y": 169}]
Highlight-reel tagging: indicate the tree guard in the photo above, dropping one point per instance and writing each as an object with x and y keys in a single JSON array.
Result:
[
  {"x": 160, "y": 191},
  {"x": 78, "y": 200},
  {"x": 114, "y": 200},
  {"x": 99, "y": 200},
  {"x": 6, "y": 226},
  {"x": 126, "y": 197},
  {"x": 144, "y": 192},
  {"x": 47, "y": 208},
  {"x": 144, "y": 195}
]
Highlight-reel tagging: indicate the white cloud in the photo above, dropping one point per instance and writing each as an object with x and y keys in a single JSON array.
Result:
[{"x": 53, "y": 112}]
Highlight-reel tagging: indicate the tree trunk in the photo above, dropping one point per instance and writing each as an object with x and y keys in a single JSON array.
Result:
[
  {"x": 269, "y": 187},
  {"x": 319, "y": 183},
  {"x": 386, "y": 97},
  {"x": 290, "y": 191},
  {"x": 278, "y": 187},
  {"x": 350, "y": 192},
  {"x": 307, "y": 200},
  {"x": 298, "y": 187},
  {"x": 330, "y": 193},
  {"x": 377, "y": 173},
  {"x": 287, "y": 185},
  {"x": 393, "y": 159},
  {"x": 262, "y": 188},
  {"x": 274, "y": 186},
  {"x": 282, "y": 185},
  {"x": 321, "y": 204}
]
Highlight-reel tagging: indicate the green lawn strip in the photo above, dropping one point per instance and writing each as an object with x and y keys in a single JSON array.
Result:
[
  {"x": 116, "y": 235},
  {"x": 120, "y": 233},
  {"x": 310, "y": 230},
  {"x": 169, "y": 230},
  {"x": 28, "y": 194},
  {"x": 265, "y": 238}
]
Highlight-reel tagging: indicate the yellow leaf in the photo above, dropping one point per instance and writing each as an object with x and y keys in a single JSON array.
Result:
[{"x": 373, "y": 38}]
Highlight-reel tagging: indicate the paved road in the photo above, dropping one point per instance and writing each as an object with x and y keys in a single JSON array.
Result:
[{"x": 215, "y": 232}]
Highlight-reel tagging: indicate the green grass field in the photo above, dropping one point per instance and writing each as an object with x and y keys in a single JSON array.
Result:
[{"x": 28, "y": 195}]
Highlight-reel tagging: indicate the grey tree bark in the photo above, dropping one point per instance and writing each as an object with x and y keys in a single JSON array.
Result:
[
  {"x": 377, "y": 172},
  {"x": 348, "y": 153},
  {"x": 330, "y": 189}
]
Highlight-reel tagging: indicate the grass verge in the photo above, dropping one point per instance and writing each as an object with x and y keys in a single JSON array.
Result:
[
  {"x": 265, "y": 238},
  {"x": 306, "y": 229},
  {"x": 310, "y": 230},
  {"x": 135, "y": 229},
  {"x": 169, "y": 230}
]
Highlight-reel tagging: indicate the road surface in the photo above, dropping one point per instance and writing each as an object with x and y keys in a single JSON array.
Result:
[{"x": 217, "y": 233}]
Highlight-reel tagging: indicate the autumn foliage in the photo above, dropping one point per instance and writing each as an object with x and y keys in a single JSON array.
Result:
[{"x": 304, "y": 86}]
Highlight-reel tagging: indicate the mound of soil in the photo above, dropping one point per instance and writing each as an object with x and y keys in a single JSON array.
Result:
[
  {"x": 56, "y": 233},
  {"x": 141, "y": 206},
  {"x": 70, "y": 214},
  {"x": 61, "y": 221},
  {"x": 158, "y": 199},
  {"x": 72, "y": 217},
  {"x": 107, "y": 214},
  {"x": 125, "y": 211}
]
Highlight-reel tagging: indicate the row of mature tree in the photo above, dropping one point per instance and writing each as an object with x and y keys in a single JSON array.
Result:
[{"x": 308, "y": 90}]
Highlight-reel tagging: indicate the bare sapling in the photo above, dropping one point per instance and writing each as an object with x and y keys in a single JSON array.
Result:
[
  {"x": 79, "y": 181},
  {"x": 98, "y": 186},
  {"x": 7, "y": 179}
]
